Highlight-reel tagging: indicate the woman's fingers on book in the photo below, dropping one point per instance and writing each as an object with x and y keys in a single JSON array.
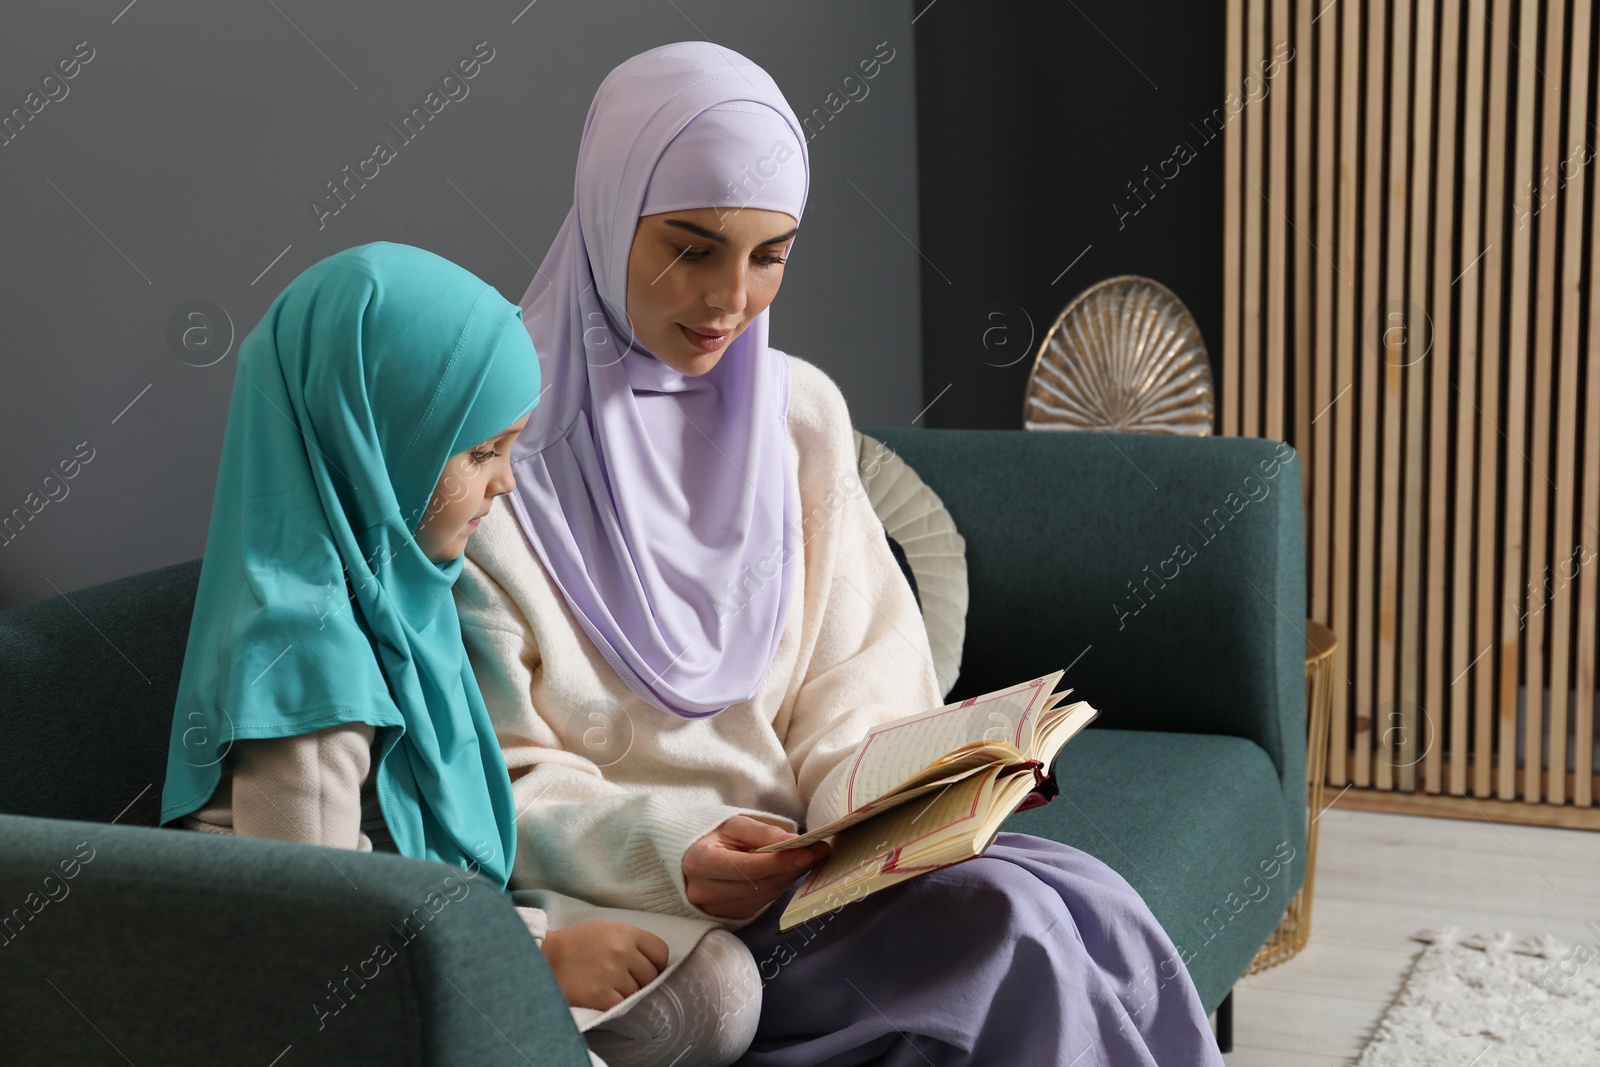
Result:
[
  {"x": 733, "y": 844},
  {"x": 741, "y": 867},
  {"x": 725, "y": 878},
  {"x": 752, "y": 833},
  {"x": 730, "y": 911},
  {"x": 745, "y": 904},
  {"x": 735, "y": 893}
]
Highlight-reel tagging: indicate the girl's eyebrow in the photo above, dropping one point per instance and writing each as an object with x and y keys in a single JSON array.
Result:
[{"x": 721, "y": 239}]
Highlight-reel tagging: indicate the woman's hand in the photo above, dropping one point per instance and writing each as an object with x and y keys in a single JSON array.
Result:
[
  {"x": 726, "y": 879},
  {"x": 600, "y": 964}
]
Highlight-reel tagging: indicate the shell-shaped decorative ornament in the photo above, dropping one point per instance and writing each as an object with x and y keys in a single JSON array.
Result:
[
  {"x": 915, "y": 517},
  {"x": 1126, "y": 357}
]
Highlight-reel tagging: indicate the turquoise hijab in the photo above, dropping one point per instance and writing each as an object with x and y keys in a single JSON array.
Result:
[{"x": 316, "y": 605}]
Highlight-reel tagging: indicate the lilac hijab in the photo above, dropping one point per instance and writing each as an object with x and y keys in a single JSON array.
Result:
[{"x": 663, "y": 505}]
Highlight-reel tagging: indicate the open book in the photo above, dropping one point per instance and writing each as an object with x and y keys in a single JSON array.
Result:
[{"x": 932, "y": 789}]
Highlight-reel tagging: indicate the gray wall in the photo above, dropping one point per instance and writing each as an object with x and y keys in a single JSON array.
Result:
[{"x": 184, "y": 156}]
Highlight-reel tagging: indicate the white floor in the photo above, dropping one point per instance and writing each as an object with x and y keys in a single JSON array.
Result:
[{"x": 1382, "y": 877}]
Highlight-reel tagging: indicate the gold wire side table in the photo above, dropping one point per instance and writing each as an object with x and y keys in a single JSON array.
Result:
[{"x": 1290, "y": 936}]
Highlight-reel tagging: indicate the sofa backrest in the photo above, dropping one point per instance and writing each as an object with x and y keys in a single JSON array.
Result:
[
  {"x": 1073, "y": 554},
  {"x": 87, "y": 686},
  {"x": 1167, "y": 574}
]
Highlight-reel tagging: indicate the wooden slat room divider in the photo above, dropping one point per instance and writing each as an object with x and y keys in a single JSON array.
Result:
[{"x": 1409, "y": 242}]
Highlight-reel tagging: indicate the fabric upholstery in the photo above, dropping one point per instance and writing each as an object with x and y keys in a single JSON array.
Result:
[
  {"x": 180, "y": 947},
  {"x": 1192, "y": 779},
  {"x": 1060, "y": 528}
]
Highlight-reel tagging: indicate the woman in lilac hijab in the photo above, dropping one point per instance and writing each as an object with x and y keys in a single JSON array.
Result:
[{"x": 687, "y": 615}]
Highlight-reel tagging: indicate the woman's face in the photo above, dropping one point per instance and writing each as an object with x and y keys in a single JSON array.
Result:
[
  {"x": 469, "y": 484},
  {"x": 697, "y": 278}
]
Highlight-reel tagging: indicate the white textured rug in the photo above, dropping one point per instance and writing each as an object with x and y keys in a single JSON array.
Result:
[{"x": 1493, "y": 1001}]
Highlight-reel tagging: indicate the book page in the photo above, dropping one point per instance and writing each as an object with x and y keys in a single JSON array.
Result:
[
  {"x": 1058, "y": 727},
  {"x": 998, "y": 714},
  {"x": 952, "y": 820},
  {"x": 909, "y": 840},
  {"x": 901, "y": 796},
  {"x": 898, "y": 751}
]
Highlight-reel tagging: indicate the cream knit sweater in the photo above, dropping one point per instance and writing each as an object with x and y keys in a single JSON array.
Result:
[{"x": 612, "y": 791}]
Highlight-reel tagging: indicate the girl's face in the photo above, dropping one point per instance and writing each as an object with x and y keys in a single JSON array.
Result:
[
  {"x": 697, "y": 278},
  {"x": 469, "y": 484}
]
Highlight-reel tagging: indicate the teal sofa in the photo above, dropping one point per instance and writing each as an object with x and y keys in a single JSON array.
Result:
[{"x": 120, "y": 942}]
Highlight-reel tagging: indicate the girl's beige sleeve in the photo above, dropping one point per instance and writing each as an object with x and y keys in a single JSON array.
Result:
[{"x": 305, "y": 788}]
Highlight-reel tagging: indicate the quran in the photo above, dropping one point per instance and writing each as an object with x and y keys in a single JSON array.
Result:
[{"x": 932, "y": 789}]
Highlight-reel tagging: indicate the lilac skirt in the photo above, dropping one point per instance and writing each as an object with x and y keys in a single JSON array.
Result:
[{"x": 1030, "y": 955}]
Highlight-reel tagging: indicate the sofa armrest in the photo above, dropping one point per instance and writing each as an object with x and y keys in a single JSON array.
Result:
[
  {"x": 1169, "y": 572},
  {"x": 167, "y": 946}
]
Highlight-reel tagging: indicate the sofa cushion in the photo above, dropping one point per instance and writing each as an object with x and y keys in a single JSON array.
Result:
[{"x": 1195, "y": 823}]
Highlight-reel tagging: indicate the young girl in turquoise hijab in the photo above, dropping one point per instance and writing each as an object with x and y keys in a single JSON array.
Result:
[{"x": 326, "y": 697}]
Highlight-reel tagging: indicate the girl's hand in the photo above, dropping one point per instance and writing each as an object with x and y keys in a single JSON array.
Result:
[
  {"x": 724, "y": 876},
  {"x": 600, "y": 964}
]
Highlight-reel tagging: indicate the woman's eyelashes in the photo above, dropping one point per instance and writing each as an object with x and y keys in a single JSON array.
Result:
[
  {"x": 483, "y": 455},
  {"x": 692, "y": 254}
]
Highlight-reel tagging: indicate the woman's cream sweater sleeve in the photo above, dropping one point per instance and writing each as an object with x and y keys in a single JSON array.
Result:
[
  {"x": 577, "y": 833},
  {"x": 866, "y": 660}
]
